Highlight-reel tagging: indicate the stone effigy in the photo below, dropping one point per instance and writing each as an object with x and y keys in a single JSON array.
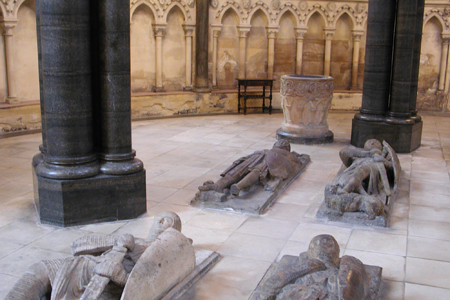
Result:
[
  {"x": 115, "y": 267},
  {"x": 319, "y": 273},
  {"x": 254, "y": 181},
  {"x": 364, "y": 191}
]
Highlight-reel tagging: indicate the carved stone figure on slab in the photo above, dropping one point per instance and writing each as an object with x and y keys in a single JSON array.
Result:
[
  {"x": 269, "y": 169},
  {"x": 319, "y": 273},
  {"x": 104, "y": 266},
  {"x": 366, "y": 184}
]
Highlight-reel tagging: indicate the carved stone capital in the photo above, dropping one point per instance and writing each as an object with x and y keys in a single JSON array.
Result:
[
  {"x": 300, "y": 33},
  {"x": 357, "y": 34},
  {"x": 159, "y": 30},
  {"x": 272, "y": 31},
  {"x": 8, "y": 27},
  {"x": 244, "y": 30},
  {"x": 188, "y": 29},
  {"x": 216, "y": 29},
  {"x": 329, "y": 33}
]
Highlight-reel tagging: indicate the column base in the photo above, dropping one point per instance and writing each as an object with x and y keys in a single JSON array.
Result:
[
  {"x": 103, "y": 198},
  {"x": 159, "y": 89},
  {"x": 404, "y": 138},
  {"x": 11, "y": 100},
  {"x": 307, "y": 139}
]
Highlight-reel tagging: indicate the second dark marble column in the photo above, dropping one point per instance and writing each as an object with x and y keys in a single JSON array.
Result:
[
  {"x": 114, "y": 91},
  {"x": 378, "y": 60},
  {"x": 402, "y": 67}
]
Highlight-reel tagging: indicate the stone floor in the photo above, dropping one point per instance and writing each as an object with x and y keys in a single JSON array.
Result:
[{"x": 180, "y": 154}]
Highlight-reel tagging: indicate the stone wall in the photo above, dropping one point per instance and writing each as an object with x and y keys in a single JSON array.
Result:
[{"x": 264, "y": 38}]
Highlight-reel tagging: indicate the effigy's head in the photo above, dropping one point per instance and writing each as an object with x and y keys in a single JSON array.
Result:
[
  {"x": 324, "y": 248},
  {"x": 163, "y": 221},
  {"x": 373, "y": 144},
  {"x": 282, "y": 144}
]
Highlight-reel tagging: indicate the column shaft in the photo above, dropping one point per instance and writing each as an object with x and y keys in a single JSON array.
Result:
[
  {"x": 216, "y": 33},
  {"x": 188, "y": 30},
  {"x": 416, "y": 59},
  {"x": 201, "y": 52},
  {"x": 113, "y": 75},
  {"x": 271, "y": 34},
  {"x": 327, "y": 59},
  {"x": 243, "y": 33},
  {"x": 443, "y": 65},
  {"x": 66, "y": 95},
  {"x": 8, "y": 28},
  {"x": 355, "y": 61},
  {"x": 300, "y": 33},
  {"x": 159, "y": 32},
  {"x": 378, "y": 60},
  {"x": 399, "y": 111}
]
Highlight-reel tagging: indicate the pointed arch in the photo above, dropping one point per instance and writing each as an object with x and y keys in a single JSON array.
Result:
[
  {"x": 227, "y": 7},
  {"x": 317, "y": 8},
  {"x": 150, "y": 5},
  {"x": 171, "y": 7},
  {"x": 345, "y": 10},
  {"x": 435, "y": 13},
  {"x": 288, "y": 9},
  {"x": 263, "y": 8}
]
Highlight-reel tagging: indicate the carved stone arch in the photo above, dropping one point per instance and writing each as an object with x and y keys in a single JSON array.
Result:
[
  {"x": 345, "y": 9},
  {"x": 439, "y": 15},
  {"x": 285, "y": 8},
  {"x": 151, "y": 5},
  {"x": 233, "y": 6},
  {"x": 264, "y": 8},
  {"x": 321, "y": 10},
  {"x": 184, "y": 8}
]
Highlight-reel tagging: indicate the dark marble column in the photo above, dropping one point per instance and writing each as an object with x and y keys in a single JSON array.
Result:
[
  {"x": 378, "y": 59},
  {"x": 66, "y": 90},
  {"x": 416, "y": 60},
  {"x": 114, "y": 122},
  {"x": 201, "y": 83},
  {"x": 389, "y": 93},
  {"x": 402, "y": 66},
  {"x": 85, "y": 98}
]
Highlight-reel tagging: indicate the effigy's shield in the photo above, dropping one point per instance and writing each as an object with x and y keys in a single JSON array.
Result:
[
  {"x": 166, "y": 262},
  {"x": 392, "y": 156}
]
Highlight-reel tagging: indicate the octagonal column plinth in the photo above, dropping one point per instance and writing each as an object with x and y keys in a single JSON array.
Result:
[{"x": 306, "y": 100}]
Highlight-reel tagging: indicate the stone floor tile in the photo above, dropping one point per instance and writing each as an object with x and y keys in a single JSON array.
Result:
[
  {"x": 217, "y": 220},
  {"x": 287, "y": 211},
  {"x": 391, "y": 290},
  {"x": 428, "y": 272},
  {"x": 429, "y": 229},
  {"x": 178, "y": 177},
  {"x": 423, "y": 292},
  {"x": 252, "y": 247},
  {"x": 60, "y": 240},
  {"x": 430, "y": 199},
  {"x": 8, "y": 282},
  {"x": 375, "y": 241},
  {"x": 23, "y": 232},
  {"x": 427, "y": 213},
  {"x": 430, "y": 187},
  {"x": 268, "y": 227},
  {"x": 306, "y": 231},
  {"x": 232, "y": 278},
  {"x": 181, "y": 197},
  {"x": 428, "y": 248},
  {"x": 159, "y": 193},
  {"x": 205, "y": 238},
  {"x": 19, "y": 261},
  {"x": 294, "y": 248},
  {"x": 393, "y": 265}
]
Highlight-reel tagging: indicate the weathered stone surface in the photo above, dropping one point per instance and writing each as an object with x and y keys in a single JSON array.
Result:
[
  {"x": 306, "y": 100},
  {"x": 319, "y": 273},
  {"x": 363, "y": 192},
  {"x": 109, "y": 267},
  {"x": 252, "y": 183}
]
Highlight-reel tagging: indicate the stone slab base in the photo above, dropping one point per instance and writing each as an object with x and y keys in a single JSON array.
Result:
[
  {"x": 102, "y": 198},
  {"x": 325, "y": 138},
  {"x": 373, "y": 271},
  {"x": 357, "y": 218},
  {"x": 204, "y": 261},
  {"x": 402, "y": 138},
  {"x": 254, "y": 201}
]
